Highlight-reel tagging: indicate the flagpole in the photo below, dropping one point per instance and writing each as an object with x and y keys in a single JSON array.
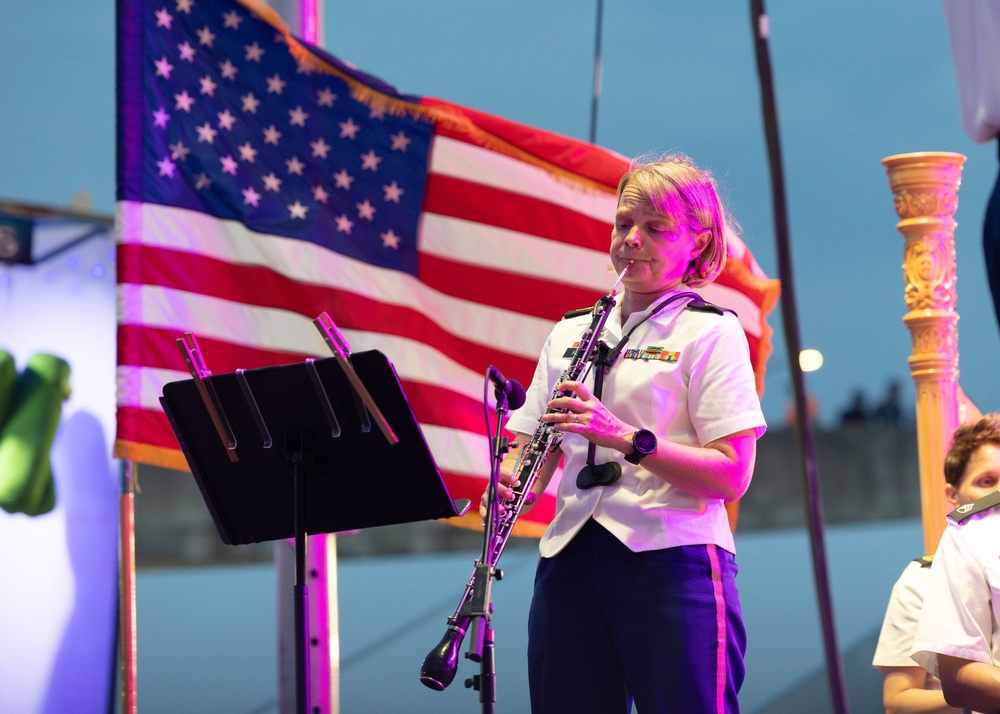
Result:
[
  {"x": 789, "y": 310},
  {"x": 596, "y": 95},
  {"x": 126, "y": 587},
  {"x": 305, "y": 19}
]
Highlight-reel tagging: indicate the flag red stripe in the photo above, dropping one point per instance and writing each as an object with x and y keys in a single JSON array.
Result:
[
  {"x": 511, "y": 291},
  {"x": 462, "y": 486},
  {"x": 562, "y": 152},
  {"x": 479, "y": 203},
  {"x": 156, "y": 348},
  {"x": 152, "y": 428},
  {"x": 145, "y": 426},
  {"x": 255, "y": 285}
]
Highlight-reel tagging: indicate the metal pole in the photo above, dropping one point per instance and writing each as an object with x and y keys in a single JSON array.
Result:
[
  {"x": 126, "y": 587},
  {"x": 597, "y": 72}
]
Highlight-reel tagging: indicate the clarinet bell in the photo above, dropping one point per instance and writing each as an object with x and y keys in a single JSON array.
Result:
[{"x": 441, "y": 663}]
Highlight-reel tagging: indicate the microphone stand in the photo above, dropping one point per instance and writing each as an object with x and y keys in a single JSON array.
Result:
[{"x": 480, "y": 606}]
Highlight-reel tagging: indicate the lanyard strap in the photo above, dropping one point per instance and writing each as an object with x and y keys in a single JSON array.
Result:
[
  {"x": 621, "y": 345},
  {"x": 606, "y": 357}
]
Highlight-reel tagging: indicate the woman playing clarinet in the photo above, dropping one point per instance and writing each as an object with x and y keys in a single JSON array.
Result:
[{"x": 635, "y": 597}]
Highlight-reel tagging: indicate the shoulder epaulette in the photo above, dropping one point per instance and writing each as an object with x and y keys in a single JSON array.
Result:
[
  {"x": 970, "y": 509},
  {"x": 699, "y": 303},
  {"x": 925, "y": 562},
  {"x": 577, "y": 313}
]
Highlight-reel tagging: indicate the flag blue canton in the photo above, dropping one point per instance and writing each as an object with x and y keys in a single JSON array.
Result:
[{"x": 235, "y": 127}]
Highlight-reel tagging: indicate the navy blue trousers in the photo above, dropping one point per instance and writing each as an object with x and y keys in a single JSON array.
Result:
[
  {"x": 661, "y": 629},
  {"x": 991, "y": 242}
]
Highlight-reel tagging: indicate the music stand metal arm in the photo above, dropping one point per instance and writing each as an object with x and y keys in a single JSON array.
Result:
[
  {"x": 342, "y": 351},
  {"x": 195, "y": 360}
]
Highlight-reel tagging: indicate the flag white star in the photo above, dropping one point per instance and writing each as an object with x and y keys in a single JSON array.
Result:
[
  {"x": 400, "y": 141},
  {"x": 163, "y": 18},
  {"x": 275, "y": 84},
  {"x": 179, "y": 152},
  {"x": 187, "y": 51},
  {"x": 251, "y": 197},
  {"x": 297, "y": 117},
  {"x": 163, "y": 68},
  {"x": 202, "y": 181},
  {"x": 247, "y": 152},
  {"x": 207, "y": 86},
  {"x": 325, "y": 98},
  {"x": 271, "y": 182},
  {"x": 229, "y": 70},
  {"x": 232, "y": 19},
  {"x": 389, "y": 239},
  {"x": 320, "y": 148},
  {"x": 344, "y": 179},
  {"x": 319, "y": 194},
  {"x": 377, "y": 113},
  {"x": 271, "y": 135},
  {"x": 344, "y": 224},
  {"x": 160, "y": 118},
  {"x": 366, "y": 210},
  {"x": 167, "y": 167},
  {"x": 184, "y": 101},
  {"x": 206, "y": 133},
  {"x": 393, "y": 192},
  {"x": 228, "y": 164},
  {"x": 254, "y": 52},
  {"x": 297, "y": 210},
  {"x": 370, "y": 160},
  {"x": 226, "y": 119},
  {"x": 250, "y": 103},
  {"x": 205, "y": 36},
  {"x": 184, "y": 6},
  {"x": 295, "y": 166},
  {"x": 348, "y": 129}
]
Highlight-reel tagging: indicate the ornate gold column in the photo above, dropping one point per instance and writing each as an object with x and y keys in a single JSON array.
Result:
[{"x": 926, "y": 185}]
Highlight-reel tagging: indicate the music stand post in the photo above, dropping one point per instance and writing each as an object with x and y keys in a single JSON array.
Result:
[
  {"x": 480, "y": 605},
  {"x": 333, "y": 473}
]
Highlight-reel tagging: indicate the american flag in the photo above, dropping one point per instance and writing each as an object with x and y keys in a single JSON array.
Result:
[{"x": 262, "y": 182}]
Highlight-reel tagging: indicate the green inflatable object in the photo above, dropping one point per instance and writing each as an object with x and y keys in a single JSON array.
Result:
[
  {"x": 26, "y": 435},
  {"x": 8, "y": 383}
]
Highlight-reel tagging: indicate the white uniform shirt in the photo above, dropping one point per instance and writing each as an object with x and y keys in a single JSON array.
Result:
[
  {"x": 960, "y": 610},
  {"x": 895, "y": 641},
  {"x": 974, "y": 32},
  {"x": 696, "y": 385}
]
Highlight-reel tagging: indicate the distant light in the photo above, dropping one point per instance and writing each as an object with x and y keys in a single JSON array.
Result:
[{"x": 810, "y": 360}]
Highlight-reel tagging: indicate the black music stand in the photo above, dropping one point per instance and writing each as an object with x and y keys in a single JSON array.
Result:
[{"x": 303, "y": 458}]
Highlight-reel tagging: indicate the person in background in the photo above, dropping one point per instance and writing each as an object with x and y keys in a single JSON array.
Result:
[
  {"x": 635, "y": 597},
  {"x": 974, "y": 34},
  {"x": 956, "y": 636},
  {"x": 857, "y": 411},
  {"x": 889, "y": 411},
  {"x": 906, "y": 687}
]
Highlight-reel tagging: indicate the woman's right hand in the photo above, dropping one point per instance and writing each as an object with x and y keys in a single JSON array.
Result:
[{"x": 508, "y": 482}]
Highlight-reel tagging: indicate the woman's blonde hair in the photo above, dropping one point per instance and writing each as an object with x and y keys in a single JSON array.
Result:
[{"x": 675, "y": 187}]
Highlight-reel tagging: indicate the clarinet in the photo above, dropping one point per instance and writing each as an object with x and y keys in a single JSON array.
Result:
[{"x": 441, "y": 663}]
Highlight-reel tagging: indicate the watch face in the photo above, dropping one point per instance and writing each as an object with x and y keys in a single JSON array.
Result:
[{"x": 644, "y": 441}]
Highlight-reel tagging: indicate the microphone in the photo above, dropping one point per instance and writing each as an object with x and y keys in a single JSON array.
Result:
[{"x": 511, "y": 387}]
